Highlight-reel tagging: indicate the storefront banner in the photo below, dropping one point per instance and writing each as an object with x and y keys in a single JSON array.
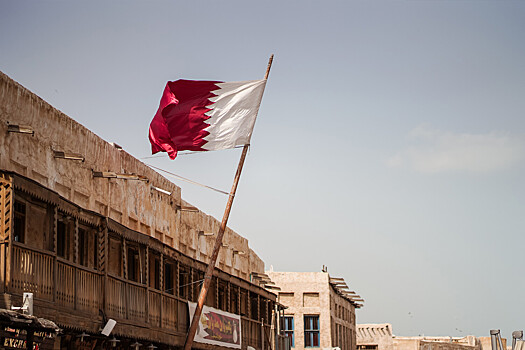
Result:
[{"x": 217, "y": 327}]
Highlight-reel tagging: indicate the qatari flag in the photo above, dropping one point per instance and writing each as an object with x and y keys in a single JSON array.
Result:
[{"x": 205, "y": 115}]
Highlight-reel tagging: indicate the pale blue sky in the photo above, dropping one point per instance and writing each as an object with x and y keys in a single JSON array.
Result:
[{"x": 390, "y": 144}]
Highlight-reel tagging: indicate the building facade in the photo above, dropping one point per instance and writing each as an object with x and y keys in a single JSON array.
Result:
[
  {"x": 320, "y": 311},
  {"x": 95, "y": 234},
  {"x": 380, "y": 337}
]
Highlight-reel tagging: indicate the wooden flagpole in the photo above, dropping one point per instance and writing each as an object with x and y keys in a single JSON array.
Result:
[{"x": 218, "y": 243}]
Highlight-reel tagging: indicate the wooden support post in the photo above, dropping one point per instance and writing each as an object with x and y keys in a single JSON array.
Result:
[
  {"x": 147, "y": 278},
  {"x": 262, "y": 334},
  {"x": 229, "y": 304},
  {"x": 217, "y": 296},
  {"x": 162, "y": 287},
  {"x": 103, "y": 252},
  {"x": 55, "y": 249},
  {"x": 76, "y": 272},
  {"x": 218, "y": 243},
  {"x": 125, "y": 274}
]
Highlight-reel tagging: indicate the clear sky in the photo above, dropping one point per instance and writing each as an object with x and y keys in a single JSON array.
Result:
[{"x": 390, "y": 145}]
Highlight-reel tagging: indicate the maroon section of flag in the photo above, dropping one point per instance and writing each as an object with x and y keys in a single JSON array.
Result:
[{"x": 180, "y": 121}]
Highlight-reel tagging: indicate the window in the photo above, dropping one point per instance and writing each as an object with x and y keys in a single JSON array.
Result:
[
  {"x": 168, "y": 278},
  {"x": 311, "y": 331},
  {"x": 154, "y": 271},
  {"x": 223, "y": 294},
  {"x": 83, "y": 245},
  {"x": 198, "y": 279},
  {"x": 133, "y": 264},
  {"x": 244, "y": 303},
  {"x": 19, "y": 224},
  {"x": 254, "y": 306},
  {"x": 288, "y": 330},
  {"x": 64, "y": 227},
  {"x": 184, "y": 281},
  {"x": 87, "y": 247},
  {"x": 234, "y": 295},
  {"x": 366, "y": 347},
  {"x": 115, "y": 256}
]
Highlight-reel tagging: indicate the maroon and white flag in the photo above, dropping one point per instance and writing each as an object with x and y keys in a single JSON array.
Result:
[{"x": 205, "y": 115}]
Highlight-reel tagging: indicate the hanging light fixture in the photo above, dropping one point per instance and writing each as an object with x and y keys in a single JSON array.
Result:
[
  {"x": 136, "y": 345},
  {"x": 82, "y": 336},
  {"x": 113, "y": 342}
]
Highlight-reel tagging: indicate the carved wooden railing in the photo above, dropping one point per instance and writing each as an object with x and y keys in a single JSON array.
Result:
[
  {"x": 136, "y": 302},
  {"x": 154, "y": 308},
  {"x": 267, "y": 337},
  {"x": 65, "y": 288},
  {"x": 32, "y": 271},
  {"x": 170, "y": 310},
  {"x": 251, "y": 333},
  {"x": 76, "y": 287},
  {"x": 116, "y": 303},
  {"x": 182, "y": 316},
  {"x": 90, "y": 291}
]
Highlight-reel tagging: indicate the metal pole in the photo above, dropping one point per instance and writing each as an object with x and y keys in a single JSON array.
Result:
[
  {"x": 218, "y": 243},
  {"x": 516, "y": 335},
  {"x": 494, "y": 338}
]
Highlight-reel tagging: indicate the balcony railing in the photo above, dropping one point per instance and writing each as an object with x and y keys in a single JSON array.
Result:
[{"x": 74, "y": 287}]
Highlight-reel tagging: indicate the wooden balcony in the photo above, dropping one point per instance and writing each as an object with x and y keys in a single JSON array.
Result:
[
  {"x": 75, "y": 296},
  {"x": 83, "y": 269}
]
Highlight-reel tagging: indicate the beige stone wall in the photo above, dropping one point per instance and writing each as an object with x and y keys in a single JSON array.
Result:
[
  {"x": 406, "y": 344},
  {"x": 299, "y": 283},
  {"x": 342, "y": 314},
  {"x": 132, "y": 203},
  {"x": 375, "y": 334},
  {"x": 435, "y": 343},
  {"x": 381, "y": 336},
  {"x": 310, "y": 293},
  {"x": 430, "y": 345}
]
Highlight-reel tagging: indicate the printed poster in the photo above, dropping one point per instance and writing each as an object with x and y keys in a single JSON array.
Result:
[{"x": 217, "y": 327}]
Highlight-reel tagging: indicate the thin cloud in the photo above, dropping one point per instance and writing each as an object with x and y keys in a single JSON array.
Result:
[{"x": 437, "y": 151}]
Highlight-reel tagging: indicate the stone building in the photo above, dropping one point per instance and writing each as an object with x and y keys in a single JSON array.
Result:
[
  {"x": 380, "y": 337},
  {"x": 320, "y": 309},
  {"x": 95, "y": 234}
]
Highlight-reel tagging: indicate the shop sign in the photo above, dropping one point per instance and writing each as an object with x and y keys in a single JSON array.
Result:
[
  {"x": 16, "y": 338},
  {"x": 217, "y": 327}
]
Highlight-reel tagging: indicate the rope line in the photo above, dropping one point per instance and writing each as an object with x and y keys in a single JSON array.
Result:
[
  {"x": 185, "y": 285},
  {"x": 188, "y": 180}
]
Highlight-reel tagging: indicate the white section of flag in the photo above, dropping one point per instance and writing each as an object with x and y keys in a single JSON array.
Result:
[{"x": 233, "y": 114}]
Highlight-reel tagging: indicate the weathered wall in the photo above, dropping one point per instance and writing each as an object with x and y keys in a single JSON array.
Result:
[
  {"x": 381, "y": 335},
  {"x": 298, "y": 291},
  {"x": 132, "y": 203},
  {"x": 406, "y": 344},
  {"x": 375, "y": 334},
  {"x": 436, "y": 343},
  {"x": 432, "y": 345},
  {"x": 299, "y": 283},
  {"x": 342, "y": 313}
]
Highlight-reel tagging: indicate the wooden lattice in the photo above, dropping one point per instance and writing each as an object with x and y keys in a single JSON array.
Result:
[
  {"x": 102, "y": 242},
  {"x": 6, "y": 203}
]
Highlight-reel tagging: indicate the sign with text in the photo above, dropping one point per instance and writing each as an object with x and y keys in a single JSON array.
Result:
[
  {"x": 16, "y": 338},
  {"x": 217, "y": 327}
]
